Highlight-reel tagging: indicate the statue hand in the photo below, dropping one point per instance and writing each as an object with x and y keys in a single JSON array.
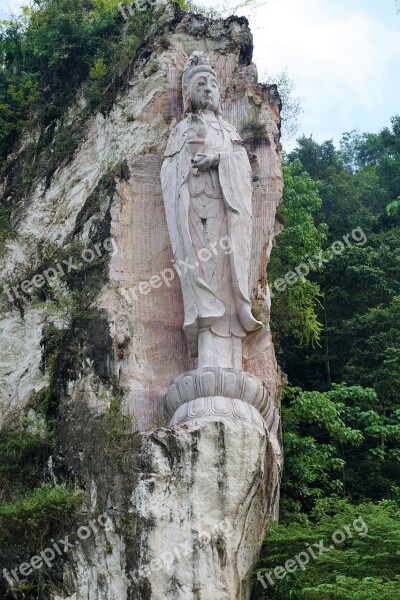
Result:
[{"x": 204, "y": 162}]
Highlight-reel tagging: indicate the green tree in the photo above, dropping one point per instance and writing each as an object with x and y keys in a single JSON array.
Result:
[
  {"x": 340, "y": 441},
  {"x": 375, "y": 159},
  {"x": 293, "y": 310},
  {"x": 356, "y": 551},
  {"x": 291, "y": 104},
  {"x": 363, "y": 277},
  {"x": 342, "y": 207},
  {"x": 54, "y": 48}
]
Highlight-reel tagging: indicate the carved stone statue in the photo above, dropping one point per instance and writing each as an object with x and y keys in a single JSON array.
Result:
[
  {"x": 207, "y": 188},
  {"x": 206, "y": 183}
]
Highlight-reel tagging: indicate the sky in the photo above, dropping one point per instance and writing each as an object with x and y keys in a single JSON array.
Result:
[{"x": 343, "y": 57}]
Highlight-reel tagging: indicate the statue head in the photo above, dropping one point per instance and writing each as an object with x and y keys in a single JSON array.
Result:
[{"x": 200, "y": 85}]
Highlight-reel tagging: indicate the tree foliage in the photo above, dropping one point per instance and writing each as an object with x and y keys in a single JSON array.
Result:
[
  {"x": 291, "y": 104},
  {"x": 295, "y": 307},
  {"x": 54, "y": 48},
  {"x": 364, "y": 566}
]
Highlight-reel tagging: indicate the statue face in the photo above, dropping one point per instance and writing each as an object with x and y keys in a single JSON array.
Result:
[{"x": 205, "y": 92}]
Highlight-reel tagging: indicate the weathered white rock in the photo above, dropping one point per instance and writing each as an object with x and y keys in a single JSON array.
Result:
[
  {"x": 99, "y": 572},
  {"x": 21, "y": 356},
  {"x": 207, "y": 493},
  {"x": 204, "y": 495}
]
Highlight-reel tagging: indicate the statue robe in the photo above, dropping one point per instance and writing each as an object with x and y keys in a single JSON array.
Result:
[{"x": 202, "y": 306}]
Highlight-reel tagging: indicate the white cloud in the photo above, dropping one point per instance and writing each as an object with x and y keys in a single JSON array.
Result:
[
  {"x": 340, "y": 57},
  {"x": 11, "y": 7}
]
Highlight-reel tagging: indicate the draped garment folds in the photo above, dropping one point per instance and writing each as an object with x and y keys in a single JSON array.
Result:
[{"x": 226, "y": 196}]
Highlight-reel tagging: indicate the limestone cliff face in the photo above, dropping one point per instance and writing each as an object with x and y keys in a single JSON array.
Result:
[{"x": 189, "y": 505}]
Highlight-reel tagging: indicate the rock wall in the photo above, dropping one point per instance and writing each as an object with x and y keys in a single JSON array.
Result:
[
  {"x": 203, "y": 492},
  {"x": 212, "y": 490}
]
